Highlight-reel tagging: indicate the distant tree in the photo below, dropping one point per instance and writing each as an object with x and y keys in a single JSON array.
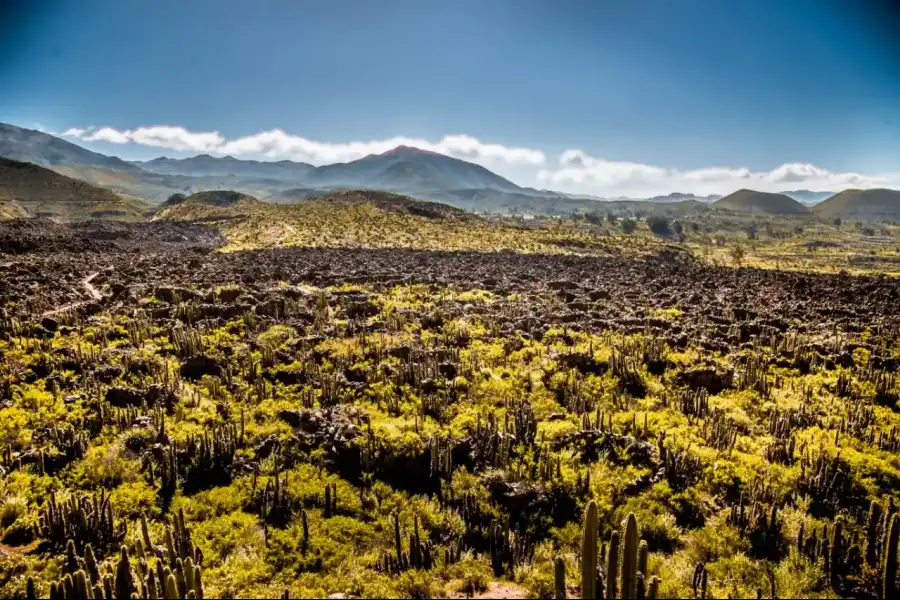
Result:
[
  {"x": 837, "y": 222},
  {"x": 593, "y": 218},
  {"x": 611, "y": 218},
  {"x": 677, "y": 227},
  {"x": 628, "y": 225},
  {"x": 176, "y": 199},
  {"x": 694, "y": 227},
  {"x": 751, "y": 231},
  {"x": 659, "y": 225},
  {"x": 798, "y": 229},
  {"x": 737, "y": 254}
]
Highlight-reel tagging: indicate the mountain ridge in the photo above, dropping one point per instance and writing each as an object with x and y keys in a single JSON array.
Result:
[
  {"x": 46, "y": 150},
  {"x": 423, "y": 174}
]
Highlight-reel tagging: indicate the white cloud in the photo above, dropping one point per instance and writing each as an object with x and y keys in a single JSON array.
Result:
[
  {"x": 161, "y": 136},
  {"x": 277, "y": 144},
  {"x": 576, "y": 171},
  {"x": 580, "y": 173}
]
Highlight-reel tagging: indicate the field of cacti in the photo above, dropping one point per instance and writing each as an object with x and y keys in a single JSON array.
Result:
[{"x": 178, "y": 422}]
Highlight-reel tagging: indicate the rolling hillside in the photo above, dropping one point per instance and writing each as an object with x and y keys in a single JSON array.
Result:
[
  {"x": 751, "y": 201},
  {"x": 29, "y": 145},
  {"x": 35, "y": 191},
  {"x": 205, "y": 165},
  {"x": 223, "y": 198},
  {"x": 862, "y": 205},
  {"x": 406, "y": 169}
]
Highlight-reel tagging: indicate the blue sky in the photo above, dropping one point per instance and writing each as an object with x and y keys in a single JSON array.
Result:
[{"x": 632, "y": 94}]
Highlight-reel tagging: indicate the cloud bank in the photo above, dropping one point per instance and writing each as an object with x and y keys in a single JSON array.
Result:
[
  {"x": 583, "y": 173},
  {"x": 276, "y": 144},
  {"x": 574, "y": 171}
]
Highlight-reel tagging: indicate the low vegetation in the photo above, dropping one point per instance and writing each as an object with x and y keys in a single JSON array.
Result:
[{"x": 374, "y": 397}]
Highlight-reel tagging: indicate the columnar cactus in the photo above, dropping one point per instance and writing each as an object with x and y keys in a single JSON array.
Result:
[
  {"x": 629, "y": 557},
  {"x": 304, "y": 518},
  {"x": 124, "y": 577},
  {"x": 889, "y": 565},
  {"x": 559, "y": 578},
  {"x": 837, "y": 553},
  {"x": 589, "y": 552},
  {"x": 612, "y": 566},
  {"x": 872, "y": 534},
  {"x": 653, "y": 588}
]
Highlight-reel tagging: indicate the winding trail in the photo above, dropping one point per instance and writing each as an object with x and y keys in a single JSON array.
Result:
[{"x": 91, "y": 291}]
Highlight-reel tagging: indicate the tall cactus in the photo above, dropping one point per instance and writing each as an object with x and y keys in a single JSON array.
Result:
[
  {"x": 612, "y": 566},
  {"x": 559, "y": 578},
  {"x": 171, "y": 587},
  {"x": 889, "y": 566},
  {"x": 699, "y": 581},
  {"x": 145, "y": 533},
  {"x": 304, "y": 519},
  {"x": 653, "y": 589},
  {"x": 837, "y": 553},
  {"x": 872, "y": 534},
  {"x": 80, "y": 583},
  {"x": 643, "y": 557},
  {"x": 589, "y": 553},
  {"x": 151, "y": 587},
  {"x": 124, "y": 577},
  {"x": 629, "y": 557},
  {"x": 398, "y": 543}
]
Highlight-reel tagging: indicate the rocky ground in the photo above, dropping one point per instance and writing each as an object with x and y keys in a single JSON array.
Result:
[{"x": 465, "y": 408}]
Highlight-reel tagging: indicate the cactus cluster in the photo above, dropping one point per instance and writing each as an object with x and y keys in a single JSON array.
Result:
[
  {"x": 760, "y": 525},
  {"x": 508, "y": 547},
  {"x": 186, "y": 341},
  {"x": 624, "y": 560},
  {"x": 177, "y": 573},
  {"x": 419, "y": 554},
  {"x": 85, "y": 520}
]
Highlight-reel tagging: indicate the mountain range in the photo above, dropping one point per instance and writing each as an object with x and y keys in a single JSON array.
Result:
[{"x": 421, "y": 174}]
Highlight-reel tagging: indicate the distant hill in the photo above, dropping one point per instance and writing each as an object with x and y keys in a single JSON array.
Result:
[
  {"x": 807, "y": 197},
  {"x": 36, "y": 191},
  {"x": 402, "y": 170},
  {"x": 29, "y": 145},
  {"x": 223, "y": 198},
  {"x": 680, "y": 197},
  {"x": 862, "y": 205},
  {"x": 230, "y": 205},
  {"x": 210, "y": 205},
  {"x": 205, "y": 165},
  {"x": 760, "y": 202},
  {"x": 406, "y": 170}
]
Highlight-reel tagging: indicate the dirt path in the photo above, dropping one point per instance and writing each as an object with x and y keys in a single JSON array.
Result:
[
  {"x": 496, "y": 589},
  {"x": 91, "y": 291}
]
